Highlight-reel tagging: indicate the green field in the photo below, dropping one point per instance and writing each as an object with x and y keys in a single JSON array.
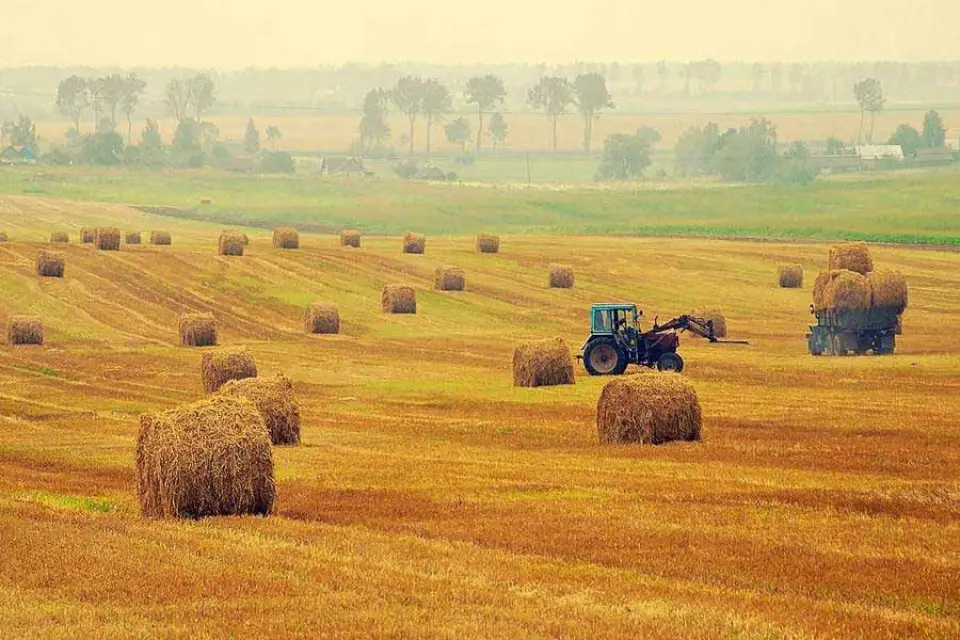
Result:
[{"x": 913, "y": 207}]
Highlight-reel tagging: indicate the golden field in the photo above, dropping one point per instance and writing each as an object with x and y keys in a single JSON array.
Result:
[{"x": 432, "y": 498}]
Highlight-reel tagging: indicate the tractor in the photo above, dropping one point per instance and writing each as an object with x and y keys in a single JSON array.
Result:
[{"x": 616, "y": 340}]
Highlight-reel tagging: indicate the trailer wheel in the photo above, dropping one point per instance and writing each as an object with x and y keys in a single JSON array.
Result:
[
  {"x": 670, "y": 362},
  {"x": 603, "y": 357},
  {"x": 813, "y": 345}
]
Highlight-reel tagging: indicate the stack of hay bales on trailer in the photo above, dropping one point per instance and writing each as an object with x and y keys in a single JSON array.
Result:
[
  {"x": 275, "y": 401},
  {"x": 398, "y": 298},
  {"x": 542, "y": 363},
  {"x": 198, "y": 330},
  {"x": 285, "y": 238},
  {"x": 852, "y": 256},
  {"x": 350, "y": 238},
  {"x": 25, "y": 330},
  {"x": 449, "y": 278},
  {"x": 322, "y": 318},
  {"x": 220, "y": 367},
  {"x": 648, "y": 408},
  {"x": 50, "y": 264}
]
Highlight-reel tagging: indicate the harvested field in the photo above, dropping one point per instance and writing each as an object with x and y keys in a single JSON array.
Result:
[
  {"x": 543, "y": 363},
  {"x": 650, "y": 408},
  {"x": 275, "y": 401},
  {"x": 398, "y": 298},
  {"x": 321, "y": 317},
  {"x": 198, "y": 330},
  {"x": 3, "y": 236},
  {"x": 449, "y": 278},
  {"x": 221, "y": 366},
  {"x": 285, "y": 238},
  {"x": 24, "y": 330}
]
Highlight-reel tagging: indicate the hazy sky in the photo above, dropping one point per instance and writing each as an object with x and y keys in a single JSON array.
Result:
[{"x": 241, "y": 33}]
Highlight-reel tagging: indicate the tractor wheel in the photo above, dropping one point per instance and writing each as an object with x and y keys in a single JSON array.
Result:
[
  {"x": 670, "y": 362},
  {"x": 813, "y": 345},
  {"x": 603, "y": 357}
]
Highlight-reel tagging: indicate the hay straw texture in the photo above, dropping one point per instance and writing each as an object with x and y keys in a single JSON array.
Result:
[
  {"x": 542, "y": 363},
  {"x": 220, "y": 367},
  {"x": 50, "y": 264},
  {"x": 160, "y": 237},
  {"x": 414, "y": 243},
  {"x": 285, "y": 238},
  {"x": 198, "y": 330},
  {"x": 275, "y": 401},
  {"x": 350, "y": 238},
  {"x": 449, "y": 278},
  {"x": 59, "y": 237},
  {"x": 25, "y": 330},
  {"x": 899, "y": 329},
  {"x": 230, "y": 244},
  {"x": 133, "y": 237},
  {"x": 398, "y": 298},
  {"x": 888, "y": 289},
  {"x": 321, "y": 317},
  {"x": 854, "y": 256},
  {"x": 790, "y": 276},
  {"x": 210, "y": 458},
  {"x": 561, "y": 276},
  {"x": 650, "y": 408},
  {"x": 107, "y": 239},
  {"x": 841, "y": 289},
  {"x": 488, "y": 243},
  {"x": 714, "y": 316},
  {"x": 87, "y": 235}
]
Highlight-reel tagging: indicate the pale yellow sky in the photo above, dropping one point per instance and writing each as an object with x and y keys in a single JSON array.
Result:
[{"x": 288, "y": 33}]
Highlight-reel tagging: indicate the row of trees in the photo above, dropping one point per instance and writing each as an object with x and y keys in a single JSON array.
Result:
[{"x": 933, "y": 135}]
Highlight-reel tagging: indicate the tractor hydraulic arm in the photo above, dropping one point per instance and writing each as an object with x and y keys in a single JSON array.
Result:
[{"x": 697, "y": 326}]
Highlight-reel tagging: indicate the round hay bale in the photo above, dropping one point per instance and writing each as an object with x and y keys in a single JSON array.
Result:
[
  {"x": 841, "y": 289},
  {"x": 246, "y": 239},
  {"x": 488, "y": 243},
  {"x": 230, "y": 244},
  {"x": 414, "y": 243},
  {"x": 899, "y": 329},
  {"x": 321, "y": 317},
  {"x": 275, "y": 401},
  {"x": 206, "y": 200},
  {"x": 450, "y": 278},
  {"x": 649, "y": 408},
  {"x": 160, "y": 238},
  {"x": 350, "y": 238},
  {"x": 132, "y": 237},
  {"x": 50, "y": 264},
  {"x": 87, "y": 235},
  {"x": 542, "y": 363},
  {"x": 888, "y": 289},
  {"x": 286, "y": 238},
  {"x": 219, "y": 367},
  {"x": 398, "y": 298},
  {"x": 107, "y": 239},
  {"x": 3, "y": 236},
  {"x": 59, "y": 237},
  {"x": 210, "y": 458},
  {"x": 198, "y": 330},
  {"x": 561, "y": 276},
  {"x": 854, "y": 256},
  {"x": 790, "y": 276},
  {"x": 25, "y": 330},
  {"x": 714, "y": 316}
]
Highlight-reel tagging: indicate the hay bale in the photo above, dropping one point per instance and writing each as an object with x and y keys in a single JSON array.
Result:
[
  {"x": 854, "y": 256},
  {"x": 3, "y": 236},
  {"x": 888, "y": 289},
  {"x": 899, "y": 330},
  {"x": 206, "y": 200},
  {"x": 488, "y": 243},
  {"x": 561, "y": 276},
  {"x": 714, "y": 316},
  {"x": 414, "y": 243},
  {"x": 230, "y": 244},
  {"x": 59, "y": 237},
  {"x": 398, "y": 298},
  {"x": 841, "y": 289},
  {"x": 285, "y": 238},
  {"x": 50, "y": 264},
  {"x": 321, "y": 317},
  {"x": 790, "y": 276},
  {"x": 275, "y": 401},
  {"x": 132, "y": 237},
  {"x": 198, "y": 330},
  {"x": 350, "y": 238},
  {"x": 160, "y": 238},
  {"x": 87, "y": 235},
  {"x": 650, "y": 408},
  {"x": 107, "y": 239},
  {"x": 450, "y": 278},
  {"x": 246, "y": 239},
  {"x": 219, "y": 367},
  {"x": 210, "y": 458},
  {"x": 542, "y": 363},
  {"x": 25, "y": 330}
]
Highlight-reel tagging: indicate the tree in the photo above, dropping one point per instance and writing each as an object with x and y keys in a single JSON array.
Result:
[
  {"x": 458, "y": 132},
  {"x": 73, "y": 97},
  {"x": 151, "y": 151},
  {"x": 436, "y": 102},
  {"x": 869, "y": 93},
  {"x": 408, "y": 96},
  {"x": 638, "y": 78},
  {"x": 178, "y": 98},
  {"x": 277, "y": 162},
  {"x": 251, "y": 139},
  {"x": 374, "y": 129},
  {"x": 133, "y": 89},
  {"x": 662, "y": 73},
  {"x": 274, "y": 134},
  {"x": 624, "y": 157},
  {"x": 22, "y": 133},
  {"x": 748, "y": 153},
  {"x": 592, "y": 97},
  {"x": 201, "y": 91},
  {"x": 105, "y": 147},
  {"x": 111, "y": 90},
  {"x": 934, "y": 133},
  {"x": 553, "y": 95},
  {"x": 487, "y": 92},
  {"x": 498, "y": 129},
  {"x": 187, "y": 146},
  {"x": 696, "y": 149},
  {"x": 649, "y": 135},
  {"x": 908, "y": 138},
  {"x": 797, "y": 166}
]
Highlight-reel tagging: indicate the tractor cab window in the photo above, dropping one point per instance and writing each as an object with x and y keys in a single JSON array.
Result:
[{"x": 601, "y": 321}]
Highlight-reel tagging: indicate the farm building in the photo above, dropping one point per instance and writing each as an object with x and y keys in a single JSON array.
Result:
[
  {"x": 339, "y": 165},
  {"x": 17, "y": 155}
]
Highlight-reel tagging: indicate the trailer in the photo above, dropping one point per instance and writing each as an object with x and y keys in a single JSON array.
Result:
[{"x": 860, "y": 331}]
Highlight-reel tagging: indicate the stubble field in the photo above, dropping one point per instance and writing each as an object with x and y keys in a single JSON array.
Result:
[{"x": 432, "y": 498}]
